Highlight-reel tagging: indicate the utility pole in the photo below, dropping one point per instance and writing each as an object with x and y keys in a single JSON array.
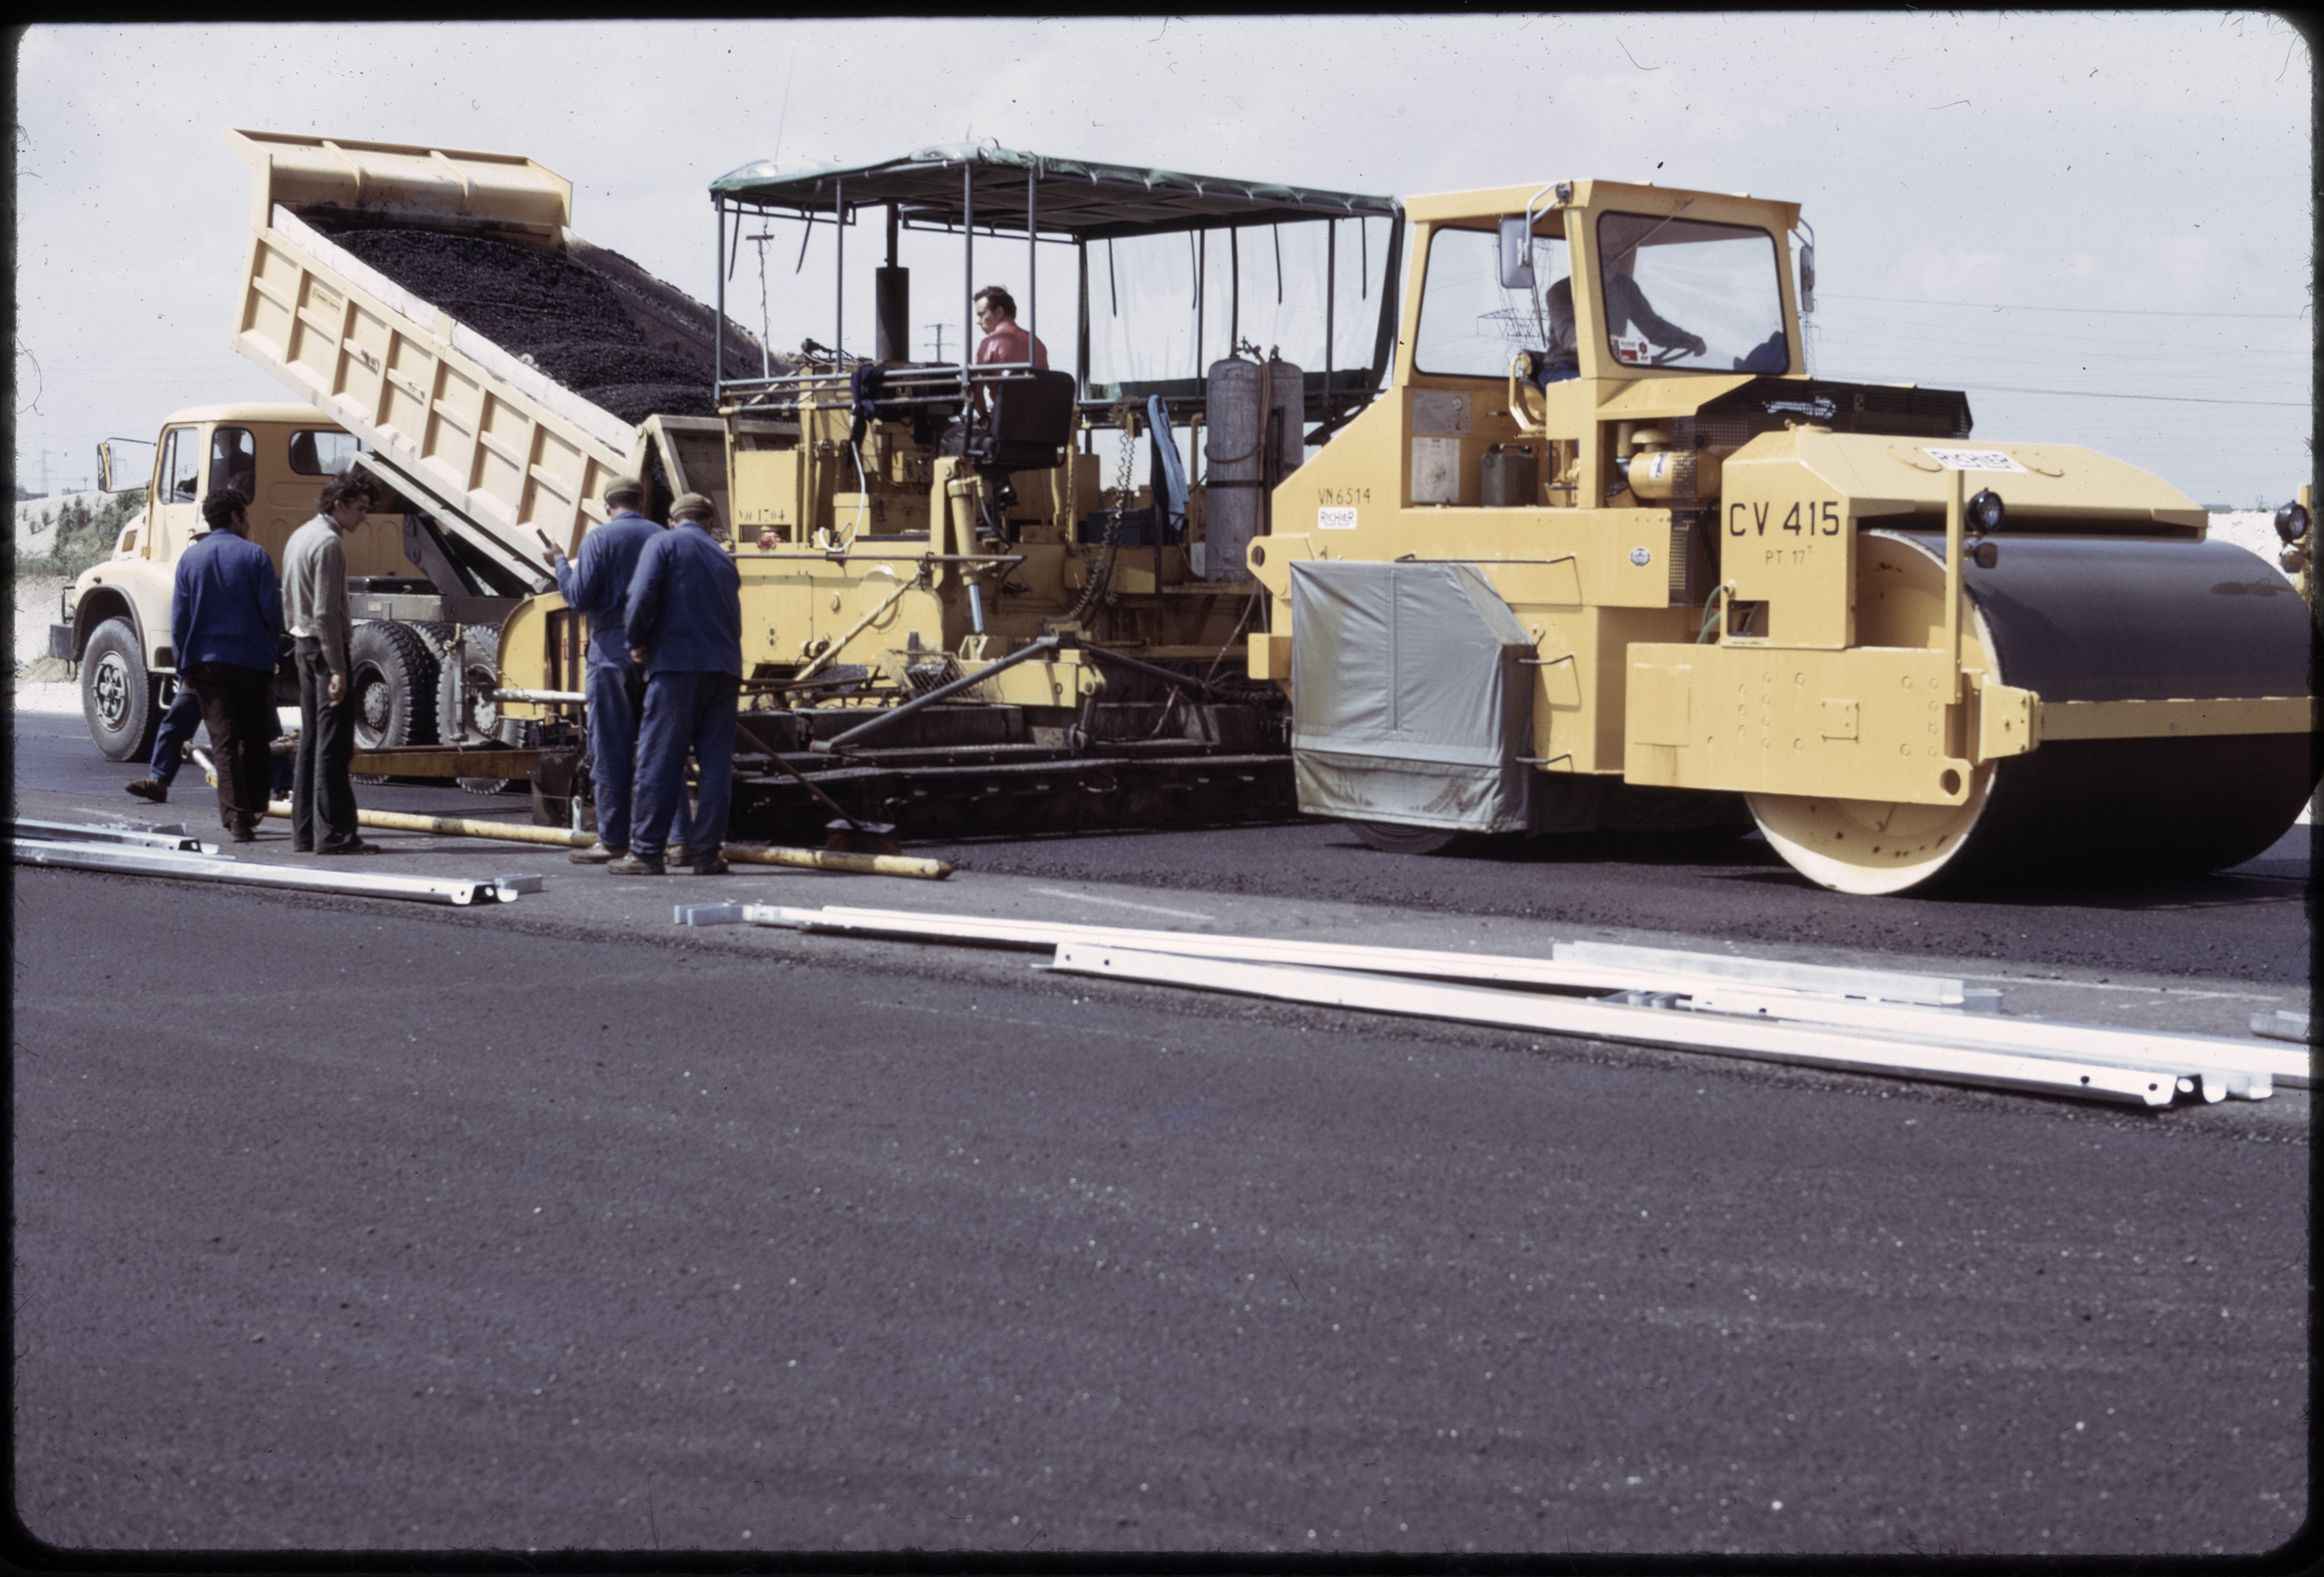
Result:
[{"x": 940, "y": 334}]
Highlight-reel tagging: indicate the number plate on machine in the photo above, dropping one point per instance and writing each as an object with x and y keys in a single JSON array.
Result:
[{"x": 1797, "y": 555}]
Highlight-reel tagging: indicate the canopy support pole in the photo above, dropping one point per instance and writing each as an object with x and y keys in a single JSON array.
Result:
[
  {"x": 967, "y": 291},
  {"x": 1234, "y": 291},
  {"x": 1202, "y": 278},
  {"x": 1331, "y": 300},
  {"x": 1081, "y": 339}
]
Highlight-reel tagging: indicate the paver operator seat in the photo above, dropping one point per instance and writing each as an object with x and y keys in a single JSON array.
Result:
[{"x": 1032, "y": 425}]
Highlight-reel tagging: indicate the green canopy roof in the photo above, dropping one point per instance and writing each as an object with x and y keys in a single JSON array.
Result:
[{"x": 1072, "y": 197}]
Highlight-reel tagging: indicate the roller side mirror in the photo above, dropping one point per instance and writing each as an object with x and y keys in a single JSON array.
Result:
[{"x": 1516, "y": 254}]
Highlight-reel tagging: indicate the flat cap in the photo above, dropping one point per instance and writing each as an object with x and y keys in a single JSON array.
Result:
[
  {"x": 622, "y": 484},
  {"x": 693, "y": 504}
]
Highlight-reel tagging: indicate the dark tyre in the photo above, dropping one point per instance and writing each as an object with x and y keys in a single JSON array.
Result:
[
  {"x": 1391, "y": 839},
  {"x": 394, "y": 679},
  {"x": 119, "y": 697}
]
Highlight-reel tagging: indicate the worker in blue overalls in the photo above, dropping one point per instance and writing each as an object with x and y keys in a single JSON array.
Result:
[
  {"x": 597, "y": 583},
  {"x": 685, "y": 621}
]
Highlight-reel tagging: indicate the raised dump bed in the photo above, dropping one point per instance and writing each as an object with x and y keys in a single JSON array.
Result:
[{"x": 502, "y": 368}]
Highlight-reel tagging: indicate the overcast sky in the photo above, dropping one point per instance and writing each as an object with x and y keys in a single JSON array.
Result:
[{"x": 2100, "y": 226}]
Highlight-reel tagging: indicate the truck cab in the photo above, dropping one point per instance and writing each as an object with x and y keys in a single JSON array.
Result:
[{"x": 116, "y": 616}]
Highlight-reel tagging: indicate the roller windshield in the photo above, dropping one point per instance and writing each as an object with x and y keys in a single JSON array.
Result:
[
  {"x": 1683, "y": 294},
  {"x": 1472, "y": 325}
]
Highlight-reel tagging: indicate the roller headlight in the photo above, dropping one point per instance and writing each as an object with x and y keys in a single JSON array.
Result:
[
  {"x": 1985, "y": 510},
  {"x": 2291, "y": 522}
]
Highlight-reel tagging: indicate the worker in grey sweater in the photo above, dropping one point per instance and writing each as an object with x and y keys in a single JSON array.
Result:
[{"x": 315, "y": 607}]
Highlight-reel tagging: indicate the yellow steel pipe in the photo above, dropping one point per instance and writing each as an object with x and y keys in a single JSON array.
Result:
[{"x": 462, "y": 826}]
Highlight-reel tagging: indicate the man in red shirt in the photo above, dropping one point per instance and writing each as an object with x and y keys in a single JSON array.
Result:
[
  {"x": 1005, "y": 344},
  {"x": 1003, "y": 341}
]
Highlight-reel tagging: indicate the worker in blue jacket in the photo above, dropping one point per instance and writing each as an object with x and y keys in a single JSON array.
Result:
[
  {"x": 177, "y": 726},
  {"x": 684, "y": 622},
  {"x": 597, "y": 583},
  {"x": 225, "y": 617}
]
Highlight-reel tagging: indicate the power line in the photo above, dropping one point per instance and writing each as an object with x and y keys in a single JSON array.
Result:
[
  {"x": 2167, "y": 399},
  {"x": 2214, "y": 341},
  {"x": 2115, "y": 311},
  {"x": 1939, "y": 381}
]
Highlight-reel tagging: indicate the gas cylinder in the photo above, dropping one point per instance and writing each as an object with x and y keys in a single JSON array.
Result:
[
  {"x": 1240, "y": 467},
  {"x": 1234, "y": 467}
]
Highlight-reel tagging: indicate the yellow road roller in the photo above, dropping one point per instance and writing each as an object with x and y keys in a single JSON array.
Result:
[{"x": 1605, "y": 555}]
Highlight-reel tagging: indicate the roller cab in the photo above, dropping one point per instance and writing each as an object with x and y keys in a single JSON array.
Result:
[{"x": 1754, "y": 597}]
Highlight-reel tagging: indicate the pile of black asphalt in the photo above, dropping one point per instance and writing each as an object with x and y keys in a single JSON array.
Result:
[{"x": 545, "y": 308}]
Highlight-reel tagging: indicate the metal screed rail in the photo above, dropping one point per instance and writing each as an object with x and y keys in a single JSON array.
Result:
[{"x": 1920, "y": 1026}]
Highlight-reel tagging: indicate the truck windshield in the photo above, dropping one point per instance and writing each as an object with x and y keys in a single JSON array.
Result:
[
  {"x": 1687, "y": 294},
  {"x": 322, "y": 451},
  {"x": 180, "y": 469}
]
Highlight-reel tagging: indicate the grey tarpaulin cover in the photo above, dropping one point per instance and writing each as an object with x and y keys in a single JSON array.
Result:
[{"x": 1409, "y": 702}]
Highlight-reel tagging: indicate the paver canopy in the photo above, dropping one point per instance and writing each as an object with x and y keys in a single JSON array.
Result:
[{"x": 1075, "y": 196}]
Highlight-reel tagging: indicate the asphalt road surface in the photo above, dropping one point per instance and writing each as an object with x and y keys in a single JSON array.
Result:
[{"x": 344, "y": 1222}]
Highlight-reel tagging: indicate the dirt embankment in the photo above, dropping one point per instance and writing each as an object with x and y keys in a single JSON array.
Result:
[
  {"x": 564, "y": 320},
  {"x": 37, "y": 606}
]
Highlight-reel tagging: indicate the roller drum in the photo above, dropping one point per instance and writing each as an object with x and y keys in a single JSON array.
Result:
[{"x": 2081, "y": 619}]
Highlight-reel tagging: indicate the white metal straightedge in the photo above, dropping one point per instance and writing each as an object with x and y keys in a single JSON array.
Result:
[
  {"x": 1787, "y": 1042},
  {"x": 1873, "y": 1004},
  {"x": 1882, "y": 985},
  {"x": 68, "y": 831},
  {"x": 2228, "y": 1068},
  {"x": 2284, "y": 1025},
  {"x": 133, "y": 861},
  {"x": 1502, "y": 969}
]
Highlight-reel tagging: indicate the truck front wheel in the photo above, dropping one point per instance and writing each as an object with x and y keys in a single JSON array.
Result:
[
  {"x": 394, "y": 679},
  {"x": 119, "y": 697}
]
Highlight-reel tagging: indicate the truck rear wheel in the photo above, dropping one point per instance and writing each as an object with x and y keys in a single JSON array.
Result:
[
  {"x": 394, "y": 679},
  {"x": 121, "y": 700}
]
